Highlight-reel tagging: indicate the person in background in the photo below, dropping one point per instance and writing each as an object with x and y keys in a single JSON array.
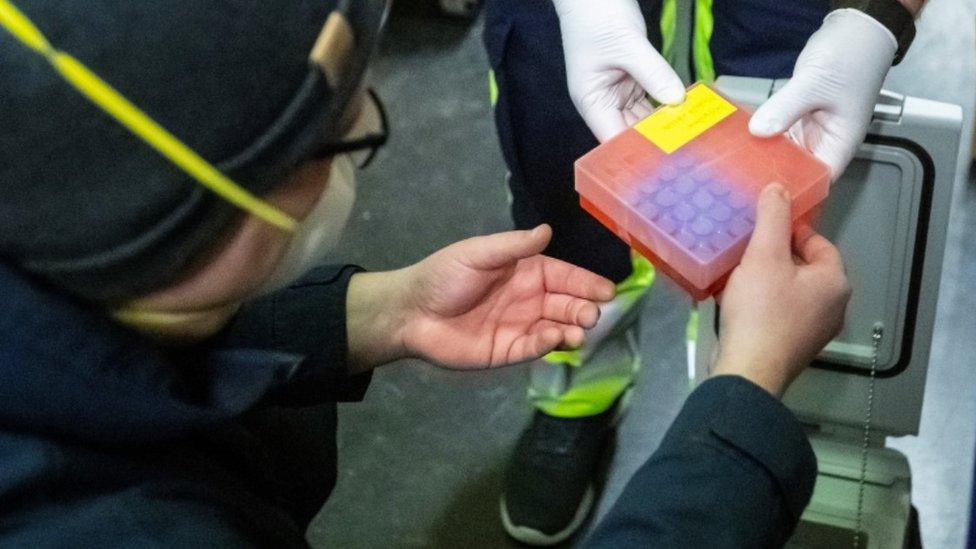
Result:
[{"x": 567, "y": 74}]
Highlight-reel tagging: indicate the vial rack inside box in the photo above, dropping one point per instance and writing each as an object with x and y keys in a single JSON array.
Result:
[{"x": 681, "y": 186}]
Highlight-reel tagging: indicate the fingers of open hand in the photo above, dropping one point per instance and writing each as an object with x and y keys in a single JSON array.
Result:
[
  {"x": 543, "y": 337},
  {"x": 534, "y": 344},
  {"x": 571, "y": 336},
  {"x": 498, "y": 250},
  {"x": 564, "y": 278},
  {"x": 570, "y": 310}
]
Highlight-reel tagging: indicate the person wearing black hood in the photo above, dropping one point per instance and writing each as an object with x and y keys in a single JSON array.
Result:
[
  {"x": 170, "y": 363},
  {"x": 171, "y": 356}
]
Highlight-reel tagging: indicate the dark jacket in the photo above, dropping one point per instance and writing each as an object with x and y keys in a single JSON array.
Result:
[
  {"x": 106, "y": 440},
  {"x": 734, "y": 470}
]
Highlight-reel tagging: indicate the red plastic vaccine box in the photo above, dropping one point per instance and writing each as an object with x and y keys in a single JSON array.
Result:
[{"x": 681, "y": 186}]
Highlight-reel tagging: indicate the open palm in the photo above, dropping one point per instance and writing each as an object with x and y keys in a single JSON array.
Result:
[{"x": 494, "y": 300}]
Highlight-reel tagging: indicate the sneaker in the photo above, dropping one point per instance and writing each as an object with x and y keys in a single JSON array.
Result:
[{"x": 550, "y": 485}]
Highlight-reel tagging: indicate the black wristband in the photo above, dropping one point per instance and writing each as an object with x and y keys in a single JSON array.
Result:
[{"x": 890, "y": 13}]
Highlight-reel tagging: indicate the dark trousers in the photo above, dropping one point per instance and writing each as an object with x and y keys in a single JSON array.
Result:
[{"x": 541, "y": 134}]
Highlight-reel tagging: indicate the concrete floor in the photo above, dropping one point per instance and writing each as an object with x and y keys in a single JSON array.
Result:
[{"x": 421, "y": 458}]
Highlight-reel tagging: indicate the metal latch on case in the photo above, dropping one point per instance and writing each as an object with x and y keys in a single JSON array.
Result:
[{"x": 889, "y": 106}]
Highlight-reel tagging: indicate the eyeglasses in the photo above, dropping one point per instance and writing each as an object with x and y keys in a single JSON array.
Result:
[{"x": 367, "y": 135}]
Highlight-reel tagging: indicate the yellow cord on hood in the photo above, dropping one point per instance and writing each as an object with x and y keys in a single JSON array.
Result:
[{"x": 108, "y": 99}]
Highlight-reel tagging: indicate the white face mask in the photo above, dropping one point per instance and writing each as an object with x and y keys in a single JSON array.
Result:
[
  {"x": 314, "y": 239},
  {"x": 318, "y": 234}
]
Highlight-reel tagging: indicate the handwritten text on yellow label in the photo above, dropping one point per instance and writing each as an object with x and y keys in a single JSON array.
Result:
[{"x": 672, "y": 126}]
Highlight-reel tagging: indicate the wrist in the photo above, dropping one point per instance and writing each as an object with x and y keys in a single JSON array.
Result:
[
  {"x": 913, "y": 6},
  {"x": 864, "y": 22},
  {"x": 769, "y": 374},
  {"x": 566, "y": 7},
  {"x": 376, "y": 313},
  {"x": 896, "y": 19}
]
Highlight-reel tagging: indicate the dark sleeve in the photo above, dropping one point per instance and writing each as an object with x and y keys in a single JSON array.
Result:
[
  {"x": 307, "y": 319},
  {"x": 69, "y": 371},
  {"x": 734, "y": 470}
]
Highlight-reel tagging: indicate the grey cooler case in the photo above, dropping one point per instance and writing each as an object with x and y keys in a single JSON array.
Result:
[{"x": 888, "y": 215}]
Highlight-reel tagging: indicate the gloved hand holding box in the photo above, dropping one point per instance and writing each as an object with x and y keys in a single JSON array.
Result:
[{"x": 680, "y": 186}]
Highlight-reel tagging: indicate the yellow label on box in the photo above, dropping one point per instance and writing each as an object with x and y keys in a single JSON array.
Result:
[{"x": 672, "y": 126}]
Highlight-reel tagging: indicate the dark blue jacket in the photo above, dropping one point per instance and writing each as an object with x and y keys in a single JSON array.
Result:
[
  {"x": 106, "y": 440},
  {"x": 734, "y": 470}
]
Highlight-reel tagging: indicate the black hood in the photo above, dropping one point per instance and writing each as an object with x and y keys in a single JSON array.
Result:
[{"x": 93, "y": 210}]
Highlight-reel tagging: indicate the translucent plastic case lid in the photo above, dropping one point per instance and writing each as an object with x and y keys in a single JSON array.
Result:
[{"x": 681, "y": 186}]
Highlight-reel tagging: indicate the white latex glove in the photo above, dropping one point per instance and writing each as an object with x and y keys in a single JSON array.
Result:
[
  {"x": 610, "y": 64},
  {"x": 828, "y": 103}
]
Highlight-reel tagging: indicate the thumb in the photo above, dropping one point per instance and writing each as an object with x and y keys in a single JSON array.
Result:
[
  {"x": 654, "y": 74},
  {"x": 782, "y": 110},
  {"x": 772, "y": 237},
  {"x": 501, "y": 249}
]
